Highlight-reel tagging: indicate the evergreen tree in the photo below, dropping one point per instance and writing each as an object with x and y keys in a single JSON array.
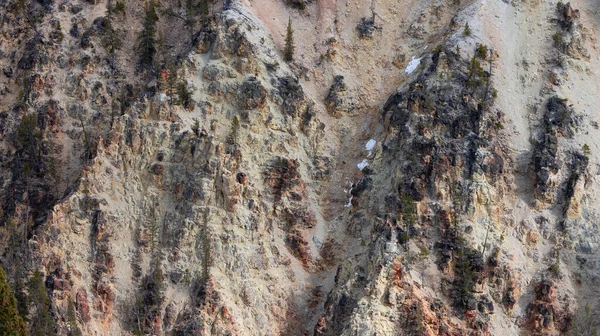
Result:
[
  {"x": 171, "y": 81},
  {"x": 42, "y": 323},
  {"x": 467, "y": 31},
  {"x": 288, "y": 52},
  {"x": 184, "y": 94},
  {"x": 204, "y": 9},
  {"x": 21, "y": 295},
  {"x": 11, "y": 323},
  {"x": 112, "y": 40},
  {"x": 147, "y": 40},
  {"x": 72, "y": 320}
]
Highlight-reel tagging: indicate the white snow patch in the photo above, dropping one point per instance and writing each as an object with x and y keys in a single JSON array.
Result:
[
  {"x": 412, "y": 65},
  {"x": 362, "y": 164},
  {"x": 163, "y": 97},
  {"x": 349, "y": 204},
  {"x": 370, "y": 145}
]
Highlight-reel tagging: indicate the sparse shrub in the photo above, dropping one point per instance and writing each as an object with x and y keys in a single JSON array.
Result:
[
  {"x": 555, "y": 269},
  {"x": 556, "y": 37},
  {"x": 120, "y": 6},
  {"x": 494, "y": 93},
  {"x": 586, "y": 150},
  {"x": 366, "y": 27}
]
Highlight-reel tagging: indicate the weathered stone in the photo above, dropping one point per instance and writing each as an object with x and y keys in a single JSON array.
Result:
[{"x": 251, "y": 94}]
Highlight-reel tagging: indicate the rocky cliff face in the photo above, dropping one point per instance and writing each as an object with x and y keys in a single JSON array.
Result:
[{"x": 406, "y": 174}]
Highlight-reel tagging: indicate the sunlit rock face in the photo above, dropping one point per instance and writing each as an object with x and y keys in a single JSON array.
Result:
[{"x": 420, "y": 168}]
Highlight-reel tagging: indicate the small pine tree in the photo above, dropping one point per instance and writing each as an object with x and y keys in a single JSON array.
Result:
[
  {"x": 112, "y": 39},
  {"x": 22, "y": 299},
  {"x": 72, "y": 320},
  {"x": 586, "y": 150},
  {"x": 11, "y": 323},
  {"x": 467, "y": 31},
  {"x": 288, "y": 52},
  {"x": 28, "y": 134},
  {"x": 171, "y": 81},
  {"x": 147, "y": 40},
  {"x": 481, "y": 51},
  {"x": 204, "y": 9},
  {"x": 184, "y": 94}
]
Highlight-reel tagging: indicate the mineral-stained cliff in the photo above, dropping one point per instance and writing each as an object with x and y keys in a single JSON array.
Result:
[{"x": 420, "y": 168}]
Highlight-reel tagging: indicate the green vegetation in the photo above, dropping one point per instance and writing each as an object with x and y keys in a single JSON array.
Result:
[
  {"x": 11, "y": 323},
  {"x": 196, "y": 127},
  {"x": 42, "y": 323},
  {"x": 72, "y": 320},
  {"x": 409, "y": 217},
  {"x": 28, "y": 133},
  {"x": 120, "y": 7},
  {"x": 184, "y": 94},
  {"x": 481, "y": 51},
  {"x": 468, "y": 265},
  {"x": 171, "y": 81},
  {"x": 199, "y": 286},
  {"x": 467, "y": 31},
  {"x": 586, "y": 150},
  {"x": 111, "y": 40},
  {"x": 143, "y": 311},
  {"x": 288, "y": 51},
  {"x": 476, "y": 76},
  {"x": 204, "y": 9},
  {"x": 147, "y": 39}
]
